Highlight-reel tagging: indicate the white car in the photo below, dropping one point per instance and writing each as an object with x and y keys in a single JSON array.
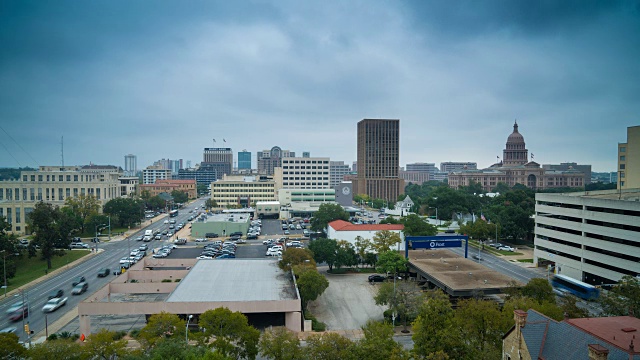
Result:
[
  {"x": 267, "y": 241},
  {"x": 274, "y": 252},
  {"x": 166, "y": 221},
  {"x": 125, "y": 260},
  {"x": 506, "y": 248},
  {"x": 203, "y": 257},
  {"x": 201, "y": 240},
  {"x": 294, "y": 243},
  {"x": 54, "y": 304}
]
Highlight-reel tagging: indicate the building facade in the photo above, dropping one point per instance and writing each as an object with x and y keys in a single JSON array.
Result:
[
  {"x": 450, "y": 166},
  {"x": 130, "y": 165},
  {"x": 590, "y": 236},
  {"x": 268, "y": 160},
  {"x": 129, "y": 186},
  {"x": 585, "y": 169},
  {"x": 379, "y": 159},
  {"x": 54, "y": 184},
  {"x": 202, "y": 174},
  {"x": 337, "y": 171},
  {"x": 244, "y": 160},
  {"x": 303, "y": 173},
  {"x": 243, "y": 190},
  {"x": 288, "y": 196},
  {"x": 415, "y": 177},
  {"x": 515, "y": 168},
  {"x": 629, "y": 160},
  {"x": 154, "y": 173},
  {"x": 218, "y": 159},
  {"x": 167, "y": 186},
  {"x": 422, "y": 167}
]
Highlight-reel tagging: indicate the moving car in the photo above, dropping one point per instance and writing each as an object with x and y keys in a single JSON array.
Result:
[
  {"x": 54, "y": 304},
  {"x": 19, "y": 313},
  {"x": 15, "y": 306},
  {"x": 376, "y": 278},
  {"x": 80, "y": 288},
  {"x": 506, "y": 248},
  {"x": 78, "y": 245},
  {"x": 78, "y": 280},
  {"x": 104, "y": 272},
  {"x": 55, "y": 294},
  {"x": 139, "y": 238}
]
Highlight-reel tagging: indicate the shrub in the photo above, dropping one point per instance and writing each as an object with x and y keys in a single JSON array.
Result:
[
  {"x": 318, "y": 325},
  {"x": 52, "y": 337},
  {"x": 133, "y": 281},
  {"x": 134, "y": 333},
  {"x": 166, "y": 280},
  {"x": 65, "y": 335},
  {"x": 119, "y": 335},
  {"x": 177, "y": 280}
]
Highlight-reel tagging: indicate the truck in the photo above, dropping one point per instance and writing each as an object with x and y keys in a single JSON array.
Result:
[{"x": 147, "y": 235}]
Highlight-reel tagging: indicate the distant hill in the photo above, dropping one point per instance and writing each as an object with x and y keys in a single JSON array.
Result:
[{"x": 12, "y": 173}]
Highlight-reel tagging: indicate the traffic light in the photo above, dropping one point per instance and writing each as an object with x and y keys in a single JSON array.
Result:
[{"x": 26, "y": 328}]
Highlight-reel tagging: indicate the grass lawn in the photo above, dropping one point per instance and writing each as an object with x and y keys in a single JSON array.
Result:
[
  {"x": 29, "y": 269},
  {"x": 526, "y": 260}
]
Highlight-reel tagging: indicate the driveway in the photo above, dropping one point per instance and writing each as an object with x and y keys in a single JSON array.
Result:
[{"x": 347, "y": 303}]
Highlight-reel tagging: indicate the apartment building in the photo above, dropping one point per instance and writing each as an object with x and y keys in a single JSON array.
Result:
[
  {"x": 130, "y": 165},
  {"x": 54, "y": 184},
  {"x": 154, "y": 173},
  {"x": 629, "y": 160},
  {"x": 303, "y": 173},
  {"x": 590, "y": 236},
  {"x": 243, "y": 190},
  {"x": 337, "y": 171}
]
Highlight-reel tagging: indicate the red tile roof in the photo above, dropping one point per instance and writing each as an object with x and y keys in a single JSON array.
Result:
[
  {"x": 176, "y": 181},
  {"x": 617, "y": 330},
  {"x": 341, "y": 225}
]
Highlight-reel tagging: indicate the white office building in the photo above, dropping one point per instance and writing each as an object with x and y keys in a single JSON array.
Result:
[
  {"x": 337, "y": 171},
  {"x": 155, "y": 172},
  {"x": 590, "y": 236},
  {"x": 303, "y": 173}
]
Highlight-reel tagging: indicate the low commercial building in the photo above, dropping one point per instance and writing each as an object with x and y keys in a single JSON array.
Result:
[
  {"x": 168, "y": 186},
  {"x": 54, "y": 184},
  {"x": 243, "y": 190},
  {"x": 268, "y": 209},
  {"x": 344, "y": 230},
  {"x": 288, "y": 196},
  {"x": 590, "y": 236},
  {"x": 535, "y": 336},
  {"x": 221, "y": 224},
  {"x": 255, "y": 287}
]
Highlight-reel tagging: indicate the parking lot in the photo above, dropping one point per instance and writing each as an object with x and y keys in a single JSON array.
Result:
[{"x": 251, "y": 250}]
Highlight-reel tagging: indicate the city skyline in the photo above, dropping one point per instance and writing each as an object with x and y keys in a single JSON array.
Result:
[{"x": 118, "y": 78}]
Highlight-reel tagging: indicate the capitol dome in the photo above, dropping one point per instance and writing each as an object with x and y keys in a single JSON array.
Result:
[{"x": 515, "y": 137}]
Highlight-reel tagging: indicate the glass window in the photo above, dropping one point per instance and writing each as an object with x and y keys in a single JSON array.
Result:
[
  {"x": 68, "y": 177},
  {"x": 33, "y": 178},
  {"x": 60, "y": 192},
  {"x": 75, "y": 177},
  {"x": 18, "y": 217},
  {"x": 17, "y": 194},
  {"x": 39, "y": 177},
  {"x": 60, "y": 178},
  {"x": 68, "y": 192},
  {"x": 622, "y": 166},
  {"x": 623, "y": 149},
  {"x": 24, "y": 193},
  {"x": 9, "y": 217},
  {"x": 1, "y": 194},
  {"x": 622, "y": 158},
  {"x": 24, "y": 177},
  {"x": 39, "y": 194},
  {"x": 32, "y": 194}
]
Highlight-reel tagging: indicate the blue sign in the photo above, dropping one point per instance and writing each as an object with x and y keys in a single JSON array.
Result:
[{"x": 437, "y": 244}]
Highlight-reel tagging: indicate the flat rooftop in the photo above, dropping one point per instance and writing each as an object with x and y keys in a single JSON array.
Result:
[
  {"x": 624, "y": 194},
  {"x": 234, "y": 280},
  {"x": 455, "y": 274},
  {"x": 237, "y": 218}
]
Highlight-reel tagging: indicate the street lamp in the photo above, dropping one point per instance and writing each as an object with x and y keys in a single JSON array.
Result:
[
  {"x": 437, "y": 221},
  {"x": 186, "y": 329},
  {"x": 4, "y": 270}
]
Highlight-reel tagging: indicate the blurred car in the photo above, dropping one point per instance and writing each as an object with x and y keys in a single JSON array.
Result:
[
  {"x": 19, "y": 314},
  {"x": 143, "y": 247},
  {"x": 506, "y": 248},
  {"x": 139, "y": 238},
  {"x": 56, "y": 294},
  {"x": 477, "y": 257},
  {"x": 9, "y": 330},
  {"x": 104, "y": 272},
  {"x": 15, "y": 306},
  {"x": 80, "y": 288},
  {"x": 376, "y": 278},
  {"x": 77, "y": 281},
  {"x": 54, "y": 304}
]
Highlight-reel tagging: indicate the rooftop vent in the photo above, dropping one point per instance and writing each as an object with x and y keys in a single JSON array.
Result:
[{"x": 629, "y": 329}]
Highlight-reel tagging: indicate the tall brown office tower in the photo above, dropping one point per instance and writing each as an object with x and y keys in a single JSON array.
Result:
[{"x": 378, "y": 159}]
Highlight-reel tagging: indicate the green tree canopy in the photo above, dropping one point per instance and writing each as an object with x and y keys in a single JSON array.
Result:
[
  {"x": 103, "y": 345},
  {"x": 161, "y": 326},
  {"x": 52, "y": 229},
  {"x": 295, "y": 256},
  {"x": 229, "y": 333},
  {"x": 279, "y": 343},
  {"x": 83, "y": 206},
  {"x": 10, "y": 348},
  {"x": 324, "y": 251},
  {"x": 346, "y": 254},
  {"x": 414, "y": 225},
  {"x": 124, "y": 211},
  {"x": 180, "y": 196},
  {"x": 391, "y": 262},
  {"x": 623, "y": 298},
  {"x": 385, "y": 240},
  {"x": 404, "y": 299},
  {"x": 330, "y": 346},
  {"x": 378, "y": 343},
  {"x": 311, "y": 284},
  {"x": 327, "y": 213}
]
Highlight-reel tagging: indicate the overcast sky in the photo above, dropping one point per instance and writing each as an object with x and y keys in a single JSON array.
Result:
[{"x": 162, "y": 79}]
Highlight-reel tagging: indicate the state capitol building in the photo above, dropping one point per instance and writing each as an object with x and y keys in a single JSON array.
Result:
[{"x": 515, "y": 168}]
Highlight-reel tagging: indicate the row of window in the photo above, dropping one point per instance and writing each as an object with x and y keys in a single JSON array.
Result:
[
  {"x": 308, "y": 167},
  {"x": 33, "y": 194},
  {"x": 304, "y": 178},
  {"x": 61, "y": 178},
  {"x": 305, "y": 161}
]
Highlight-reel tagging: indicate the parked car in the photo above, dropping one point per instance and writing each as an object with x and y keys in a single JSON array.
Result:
[
  {"x": 80, "y": 288},
  {"x": 226, "y": 256},
  {"x": 506, "y": 248},
  {"x": 78, "y": 245},
  {"x": 477, "y": 257},
  {"x": 252, "y": 236},
  {"x": 54, "y": 304},
  {"x": 286, "y": 232},
  {"x": 104, "y": 272},
  {"x": 56, "y": 294},
  {"x": 495, "y": 245},
  {"x": 77, "y": 280},
  {"x": 377, "y": 278}
]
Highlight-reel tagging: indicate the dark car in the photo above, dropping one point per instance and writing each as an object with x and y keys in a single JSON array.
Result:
[
  {"x": 252, "y": 236},
  {"x": 78, "y": 280},
  {"x": 104, "y": 272},
  {"x": 237, "y": 233},
  {"x": 56, "y": 293},
  {"x": 211, "y": 235},
  {"x": 376, "y": 278},
  {"x": 19, "y": 314},
  {"x": 80, "y": 288}
]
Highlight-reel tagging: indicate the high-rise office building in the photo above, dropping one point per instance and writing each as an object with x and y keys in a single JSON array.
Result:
[
  {"x": 270, "y": 159},
  {"x": 337, "y": 171},
  {"x": 218, "y": 159},
  {"x": 244, "y": 160},
  {"x": 130, "y": 165},
  {"x": 302, "y": 173},
  {"x": 629, "y": 160},
  {"x": 379, "y": 159}
]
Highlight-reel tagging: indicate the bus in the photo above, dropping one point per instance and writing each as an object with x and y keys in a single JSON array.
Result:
[
  {"x": 575, "y": 287},
  {"x": 173, "y": 213}
]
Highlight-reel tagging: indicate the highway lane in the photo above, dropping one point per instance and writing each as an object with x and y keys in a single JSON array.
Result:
[{"x": 109, "y": 257}]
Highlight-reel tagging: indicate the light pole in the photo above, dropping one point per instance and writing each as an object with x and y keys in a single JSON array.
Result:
[
  {"x": 186, "y": 329},
  {"x": 437, "y": 221},
  {"x": 95, "y": 240},
  {"x": 109, "y": 227},
  {"x": 4, "y": 270}
]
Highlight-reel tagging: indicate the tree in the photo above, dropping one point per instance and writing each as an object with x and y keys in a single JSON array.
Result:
[
  {"x": 391, "y": 262},
  {"x": 327, "y": 213},
  {"x": 201, "y": 189},
  {"x": 311, "y": 284},
  {"x": 547, "y": 308},
  {"x": 10, "y": 348},
  {"x": 623, "y": 298},
  {"x": 362, "y": 247},
  {"x": 330, "y": 346},
  {"x": 156, "y": 202},
  {"x": 210, "y": 204},
  {"x": 345, "y": 254},
  {"x": 280, "y": 344},
  {"x": 385, "y": 240},
  {"x": 83, "y": 206},
  {"x": 481, "y": 325},
  {"x": 295, "y": 256},
  {"x": 52, "y": 229},
  {"x": 501, "y": 188},
  {"x": 8, "y": 244},
  {"x": 56, "y": 349},
  {"x": 404, "y": 299},
  {"x": 124, "y": 211},
  {"x": 414, "y": 225},
  {"x": 177, "y": 349},
  {"x": 232, "y": 335},
  {"x": 432, "y": 328},
  {"x": 324, "y": 251},
  {"x": 161, "y": 326},
  {"x": 539, "y": 289},
  {"x": 179, "y": 196},
  {"x": 103, "y": 345},
  {"x": 378, "y": 343},
  {"x": 479, "y": 230},
  {"x": 569, "y": 306}
]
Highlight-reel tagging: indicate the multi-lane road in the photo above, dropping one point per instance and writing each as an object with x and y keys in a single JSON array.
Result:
[{"x": 108, "y": 257}]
